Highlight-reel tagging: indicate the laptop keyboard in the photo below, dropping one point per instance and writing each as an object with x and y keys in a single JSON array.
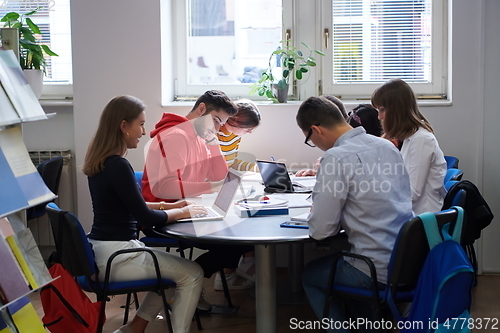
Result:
[{"x": 210, "y": 213}]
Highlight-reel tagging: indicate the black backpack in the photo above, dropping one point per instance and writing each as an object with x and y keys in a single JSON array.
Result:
[
  {"x": 478, "y": 215},
  {"x": 478, "y": 212}
]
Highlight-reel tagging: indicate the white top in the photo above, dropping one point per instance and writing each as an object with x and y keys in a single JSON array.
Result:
[
  {"x": 426, "y": 166},
  {"x": 363, "y": 186}
]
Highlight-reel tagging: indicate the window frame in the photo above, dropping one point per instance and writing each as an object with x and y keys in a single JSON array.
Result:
[
  {"x": 313, "y": 34},
  {"x": 438, "y": 89},
  {"x": 51, "y": 90}
]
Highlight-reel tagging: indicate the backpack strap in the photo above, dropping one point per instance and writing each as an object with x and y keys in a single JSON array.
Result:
[{"x": 432, "y": 230}]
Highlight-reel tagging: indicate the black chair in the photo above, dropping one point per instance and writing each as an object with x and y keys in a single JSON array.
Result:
[
  {"x": 50, "y": 171},
  {"x": 408, "y": 256},
  {"x": 77, "y": 257}
]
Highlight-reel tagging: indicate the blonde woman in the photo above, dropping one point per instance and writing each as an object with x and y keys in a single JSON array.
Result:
[{"x": 119, "y": 208}]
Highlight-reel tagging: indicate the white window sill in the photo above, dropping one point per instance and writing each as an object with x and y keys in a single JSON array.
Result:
[{"x": 56, "y": 102}]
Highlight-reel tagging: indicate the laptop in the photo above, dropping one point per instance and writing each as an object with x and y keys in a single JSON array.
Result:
[
  {"x": 276, "y": 178},
  {"x": 222, "y": 202}
]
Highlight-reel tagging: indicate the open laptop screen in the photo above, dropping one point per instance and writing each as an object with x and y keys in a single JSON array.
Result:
[
  {"x": 227, "y": 191},
  {"x": 275, "y": 175}
]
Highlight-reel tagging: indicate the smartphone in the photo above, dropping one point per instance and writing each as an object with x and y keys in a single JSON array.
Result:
[{"x": 294, "y": 224}]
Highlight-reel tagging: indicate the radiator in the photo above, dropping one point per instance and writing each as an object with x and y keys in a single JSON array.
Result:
[{"x": 40, "y": 227}]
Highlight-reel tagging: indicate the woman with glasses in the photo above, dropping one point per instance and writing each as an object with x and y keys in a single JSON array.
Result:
[
  {"x": 424, "y": 160},
  {"x": 243, "y": 122}
]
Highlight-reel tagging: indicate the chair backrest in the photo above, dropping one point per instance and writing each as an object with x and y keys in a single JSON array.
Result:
[
  {"x": 453, "y": 174},
  {"x": 411, "y": 249},
  {"x": 138, "y": 178},
  {"x": 451, "y": 162},
  {"x": 51, "y": 170},
  {"x": 72, "y": 245}
]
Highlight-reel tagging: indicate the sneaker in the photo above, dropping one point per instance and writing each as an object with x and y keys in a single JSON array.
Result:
[
  {"x": 234, "y": 282},
  {"x": 246, "y": 270},
  {"x": 203, "y": 305}
]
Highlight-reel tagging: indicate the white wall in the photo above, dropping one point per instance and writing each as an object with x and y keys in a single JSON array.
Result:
[{"x": 116, "y": 50}]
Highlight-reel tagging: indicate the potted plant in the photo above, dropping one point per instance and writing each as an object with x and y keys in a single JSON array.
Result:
[
  {"x": 292, "y": 62},
  {"x": 31, "y": 50}
]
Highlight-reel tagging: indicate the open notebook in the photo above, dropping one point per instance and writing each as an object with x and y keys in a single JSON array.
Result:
[{"x": 222, "y": 202}]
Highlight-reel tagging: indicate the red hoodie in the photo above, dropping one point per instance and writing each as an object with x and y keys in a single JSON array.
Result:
[{"x": 178, "y": 162}]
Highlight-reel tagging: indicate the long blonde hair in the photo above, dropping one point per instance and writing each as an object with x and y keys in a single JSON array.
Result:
[
  {"x": 402, "y": 117},
  {"x": 108, "y": 139}
]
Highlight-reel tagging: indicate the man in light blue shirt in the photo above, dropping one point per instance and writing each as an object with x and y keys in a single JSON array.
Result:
[{"x": 362, "y": 187}]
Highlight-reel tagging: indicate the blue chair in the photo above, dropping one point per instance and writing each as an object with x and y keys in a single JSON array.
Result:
[
  {"x": 77, "y": 257},
  {"x": 453, "y": 174},
  {"x": 407, "y": 259},
  {"x": 451, "y": 162}
]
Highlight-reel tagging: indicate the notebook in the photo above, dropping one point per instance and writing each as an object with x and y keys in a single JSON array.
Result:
[
  {"x": 222, "y": 202},
  {"x": 276, "y": 178}
]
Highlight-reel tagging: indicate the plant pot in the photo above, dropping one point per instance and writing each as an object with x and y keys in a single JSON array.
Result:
[
  {"x": 281, "y": 94},
  {"x": 35, "y": 80}
]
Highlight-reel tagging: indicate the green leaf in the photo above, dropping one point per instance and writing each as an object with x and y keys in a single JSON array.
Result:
[
  {"x": 298, "y": 74},
  {"x": 16, "y": 24},
  {"x": 33, "y": 26},
  {"x": 311, "y": 63},
  {"x": 305, "y": 45},
  {"x": 12, "y": 16},
  {"x": 32, "y": 12},
  {"x": 253, "y": 88},
  {"x": 304, "y": 69},
  {"x": 291, "y": 64},
  {"x": 286, "y": 72},
  {"x": 282, "y": 84},
  {"x": 300, "y": 53},
  {"x": 269, "y": 94},
  {"x": 49, "y": 51},
  {"x": 26, "y": 34},
  {"x": 319, "y": 52}
]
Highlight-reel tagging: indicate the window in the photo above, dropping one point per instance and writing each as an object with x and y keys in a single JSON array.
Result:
[
  {"x": 53, "y": 19},
  {"x": 224, "y": 44},
  {"x": 374, "y": 41}
]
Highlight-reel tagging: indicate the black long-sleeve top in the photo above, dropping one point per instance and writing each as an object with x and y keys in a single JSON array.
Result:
[{"x": 118, "y": 203}]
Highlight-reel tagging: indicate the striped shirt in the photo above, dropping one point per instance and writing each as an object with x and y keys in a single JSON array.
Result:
[{"x": 229, "y": 145}]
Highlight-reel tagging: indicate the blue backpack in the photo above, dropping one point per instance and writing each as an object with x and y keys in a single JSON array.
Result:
[{"x": 443, "y": 295}]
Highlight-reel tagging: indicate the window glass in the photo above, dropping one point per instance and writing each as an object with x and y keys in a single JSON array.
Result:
[
  {"x": 230, "y": 41},
  {"x": 53, "y": 19},
  {"x": 380, "y": 40}
]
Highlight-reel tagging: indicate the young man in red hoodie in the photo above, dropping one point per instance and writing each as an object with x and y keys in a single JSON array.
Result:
[{"x": 184, "y": 160}]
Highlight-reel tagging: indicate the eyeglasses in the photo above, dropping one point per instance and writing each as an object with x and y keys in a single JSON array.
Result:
[{"x": 306, "y": 141}]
